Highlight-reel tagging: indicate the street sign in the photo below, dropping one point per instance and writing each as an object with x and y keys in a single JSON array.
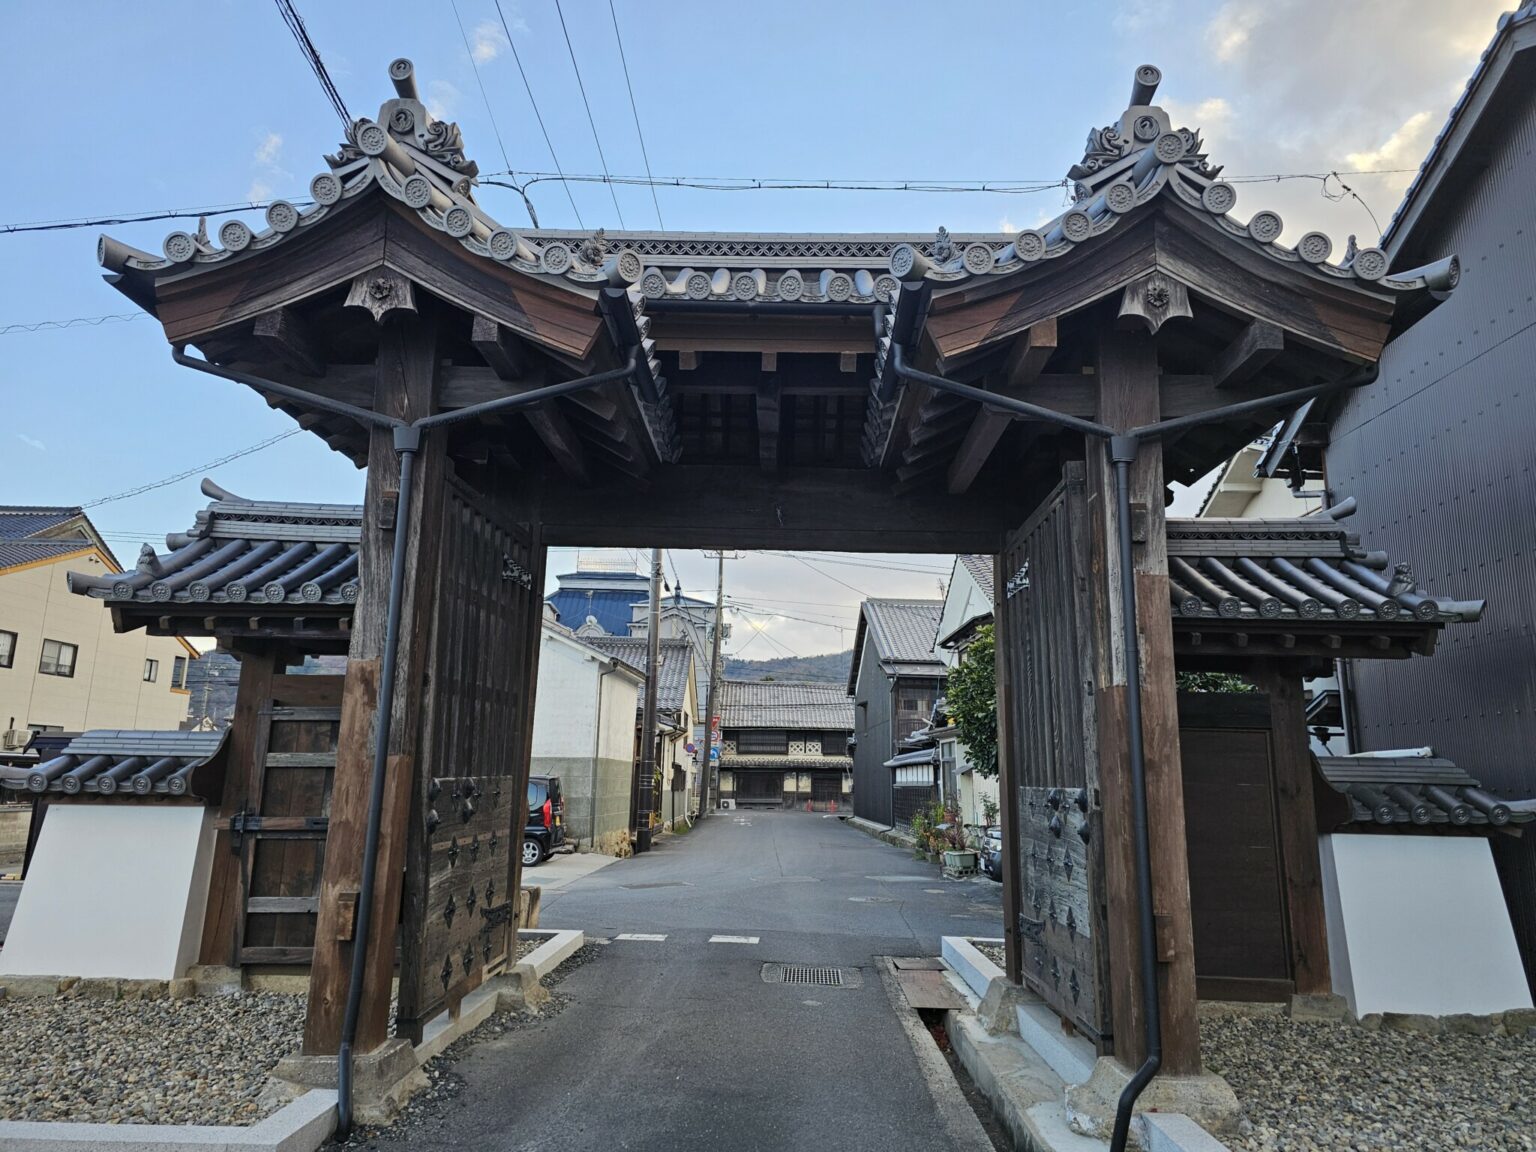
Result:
[
  {"x": 690, "y": 747},
  {"x": 714, "y": 755}
]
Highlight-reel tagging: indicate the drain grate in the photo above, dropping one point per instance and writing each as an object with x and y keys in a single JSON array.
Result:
[{"x": 812, "y": 975}]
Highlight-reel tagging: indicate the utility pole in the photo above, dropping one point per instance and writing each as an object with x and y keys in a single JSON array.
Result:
[
  {"x": 712, "y": 697},
  {"x": 645, "y": 785}
]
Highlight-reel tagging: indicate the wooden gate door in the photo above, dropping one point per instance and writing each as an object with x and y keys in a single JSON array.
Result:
[
  {"x": 280, "y": 835},
  {"x": 1045, "y": 651},
  {"x": 1236, "y": 888},
  {"x": 463, "y": 866}
]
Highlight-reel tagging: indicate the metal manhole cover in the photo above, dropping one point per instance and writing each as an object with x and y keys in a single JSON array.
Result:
[{"x": 813, "y": 975}]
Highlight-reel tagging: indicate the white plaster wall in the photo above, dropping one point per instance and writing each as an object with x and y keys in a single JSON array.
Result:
[
  {"x": 1419, "y": 924},
  {"x": 115, "y": 890},
  {"x": 565, "y": 699},
  {"x": 108, "y": 689},
  {"x": 963, "y": 602}
]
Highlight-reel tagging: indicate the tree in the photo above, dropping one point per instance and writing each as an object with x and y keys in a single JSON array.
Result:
[{"x": 970, "y": 701}]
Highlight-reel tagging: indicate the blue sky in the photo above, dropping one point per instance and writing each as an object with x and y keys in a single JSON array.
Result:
[{"x": 132, "y": 108}]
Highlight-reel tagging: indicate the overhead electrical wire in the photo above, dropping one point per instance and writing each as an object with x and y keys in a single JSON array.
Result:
[
  {"x": 475, "y": 64},
  {"x": 644, "y": 154},
  {"x": 707, "y": 183},
  {"x": 537, "y": 115},
  {"x": 295, "y": 24},
  {"x": 827, "y": 575},
  {"x": 601, "y": 159},
  {"x": 190, "y": 472},
  {"x": 74, "y": 322}
]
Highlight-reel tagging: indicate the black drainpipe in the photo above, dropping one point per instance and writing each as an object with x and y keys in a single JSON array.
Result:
[
  {"x": 407, "y": 443},
  {"x": 1122, "y": 451}
]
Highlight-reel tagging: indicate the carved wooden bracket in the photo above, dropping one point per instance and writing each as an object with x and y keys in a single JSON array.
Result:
[
  {"x": 382, "y": 291},
  {"x": 1153, "y": 300}
]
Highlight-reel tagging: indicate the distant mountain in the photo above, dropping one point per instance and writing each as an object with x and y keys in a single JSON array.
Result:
[{"x": 829, "y": 668}]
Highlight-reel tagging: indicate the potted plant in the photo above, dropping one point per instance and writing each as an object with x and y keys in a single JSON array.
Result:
[{"x": 959, "y": 856}]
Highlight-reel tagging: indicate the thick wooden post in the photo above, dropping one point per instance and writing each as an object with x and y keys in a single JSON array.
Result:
[
  {"x": 226, "y": 896},
  {"x": 407, "y": 362},
  {"x": 1301, "y": 868},
  {"x": 1128, "y": 396}
]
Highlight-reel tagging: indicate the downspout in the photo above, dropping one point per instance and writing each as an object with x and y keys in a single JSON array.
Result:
[
  {"x": 407, "y": 443},
  {"x": 597, "y": 739},
  {"x": 1122, "y": 451}
]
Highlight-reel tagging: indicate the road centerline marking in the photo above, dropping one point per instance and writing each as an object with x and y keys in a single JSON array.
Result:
[
  {"x": 652, "y": 936},
  {"x": 733, "y": 939}
]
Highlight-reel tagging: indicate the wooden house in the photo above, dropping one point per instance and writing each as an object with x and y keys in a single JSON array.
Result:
[
  {"x": 894, "y": 680},
  {"x": 784, "y": 743}
]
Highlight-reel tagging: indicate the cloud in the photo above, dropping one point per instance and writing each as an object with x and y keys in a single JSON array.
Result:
[
  {"x": 258, "y": 190},
  {"x": 1007, "y": 225},
  {"x": 1231, "y": 29},
  {"x": 1404, "y": 149},
  {"x": 268, "y": 150},
  {"x": 31, "y": 442},
  {"x": 442, "y": 99},
  {"x": 1140, "y": 15},
  {"x": 487, "y": 41}
]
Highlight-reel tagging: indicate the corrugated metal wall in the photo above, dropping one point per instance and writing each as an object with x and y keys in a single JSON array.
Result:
[
  {"x": 872, "y": 727},
  {"x": 1441, "y": 454}
]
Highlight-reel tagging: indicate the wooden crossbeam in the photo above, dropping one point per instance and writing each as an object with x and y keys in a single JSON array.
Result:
[
  {"x": 768, "y": 425},
  {"x": 1025, "y": 361},
  {"x": 1257, "y": 344},
  {"x": 284, "y": 333},
  {"x": 502, "y": 348}
]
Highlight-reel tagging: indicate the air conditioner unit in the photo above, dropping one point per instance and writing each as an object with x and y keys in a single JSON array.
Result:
[
  {"x": 728, "y": 805},
  {"x": 16, "y": 738}
]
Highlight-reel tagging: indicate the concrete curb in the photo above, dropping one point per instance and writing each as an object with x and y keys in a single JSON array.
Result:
[
  {"x": 300, "y": 1126},
  {"x": 969, "y": 964},
  {"x": 881, "y": 832},
  {"x": 560, "y": 946}
]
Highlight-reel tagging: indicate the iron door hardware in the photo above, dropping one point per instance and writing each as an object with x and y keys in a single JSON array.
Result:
[{"x": 246, "y": 821}]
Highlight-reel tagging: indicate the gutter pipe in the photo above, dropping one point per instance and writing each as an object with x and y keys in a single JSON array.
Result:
[
  {"x": 1122, "y": 452},
  {"x": 407, "y": 443}
]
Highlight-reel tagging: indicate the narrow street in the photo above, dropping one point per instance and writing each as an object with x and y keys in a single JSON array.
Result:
[{"x": 676, "y": 1042}]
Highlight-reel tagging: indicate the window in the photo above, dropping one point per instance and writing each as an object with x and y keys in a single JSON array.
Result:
[
  {"x": 179, "y": 673},
  {"x": 58, "y": 658},
  {"x": 762, "y": 741},
  {"x": 7, "y": 649},
  {"x": 151, "y": 671},
  {"x": 835, "y": 743}
]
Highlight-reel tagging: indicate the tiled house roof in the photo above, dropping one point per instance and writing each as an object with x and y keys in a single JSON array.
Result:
[
  {"x": 128, "y": 764},
  {"x": 17, "y": 522},
  {"x": 980, "y": 568},
  {"x": 672, "y": 683},
  {"x": 803, "y": 705}
]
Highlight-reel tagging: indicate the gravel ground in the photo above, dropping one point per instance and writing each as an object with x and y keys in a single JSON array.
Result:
[
  {"x": 993, "y": 952},
  {"x": 201, "y": 1061},
  {"x": 429, "y": 1109},
  {"x": 1316, "y": 1086}
]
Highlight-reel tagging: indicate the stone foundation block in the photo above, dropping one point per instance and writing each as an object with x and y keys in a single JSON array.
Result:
[
  {"x": 383, "y": 1080},
  {"x": 1467, "y": 1024},
  {"x": 32, "y": 987},
  {"x": 1207, "y": 1099},
  {"x": 1519, "y": 1021},
  {"x": 1412, "y": 1022},
  {"x": 1320, "y": 1006}
]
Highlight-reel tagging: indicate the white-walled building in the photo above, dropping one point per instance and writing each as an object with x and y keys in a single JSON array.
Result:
[
  {"x": 62, "y": 667},
  {"x": 967, "y": 606},
  {"x": 584, "y": 733}
]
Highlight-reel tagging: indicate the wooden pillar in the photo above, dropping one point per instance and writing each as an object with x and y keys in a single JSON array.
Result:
[
  {"x": 1128, "y": 396},
  {"x": 1005, "y": 642},
  {"x": 530, "y": 644},
  {"x": 226, "y": 896},
  {"x": 1301, "y": 868},
  {"x": 405, "y": 387}
]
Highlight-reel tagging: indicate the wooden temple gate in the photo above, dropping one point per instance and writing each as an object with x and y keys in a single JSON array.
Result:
[{"x": 636, "y": 401}]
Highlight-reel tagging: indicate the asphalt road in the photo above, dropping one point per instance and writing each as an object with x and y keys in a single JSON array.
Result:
[{"x": 680, "y": 1044}]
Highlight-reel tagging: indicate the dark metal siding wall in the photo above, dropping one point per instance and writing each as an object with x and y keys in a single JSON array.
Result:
[
  {"x": 1441, "y": 454},
  {"x": 872, "y": 726}
]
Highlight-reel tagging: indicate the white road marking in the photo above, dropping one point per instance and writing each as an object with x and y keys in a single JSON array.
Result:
[
  {"x": 901, "y": 879},
  {"x": 733, "y": 939},
  {"x": 640, "y": 936}
]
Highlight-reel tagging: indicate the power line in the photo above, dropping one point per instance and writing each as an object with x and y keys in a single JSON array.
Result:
[
  {"x": 601, "y": 159},
  {"x": 75, "y": 322},
  {"x": 705, "y": 183},
  {"x": 828, "y": 575},
  {"x": 295, "y": 24},
  {"x": 638, "y": 132},
  {"x": 864, "y": 563},
  {"x": 537, "y": 115},
  {"x": 475, "y": 64},
  {"x": 190, "y": 472}
]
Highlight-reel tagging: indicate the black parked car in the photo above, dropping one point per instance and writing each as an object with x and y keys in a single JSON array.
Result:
[
  {"x": 992, "y": 852},
  {"x": 545, "y": 830}
]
